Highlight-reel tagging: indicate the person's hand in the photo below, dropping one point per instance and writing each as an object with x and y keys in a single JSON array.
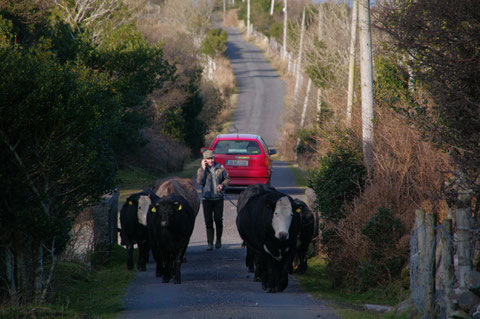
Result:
[
  {"x": 204, "y": 164},
  {"x": 219, "y": 187}
]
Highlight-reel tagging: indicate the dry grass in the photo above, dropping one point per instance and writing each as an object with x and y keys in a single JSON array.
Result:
[
  {"x": 223, "y": 77},
  {"x": 407, "y": 174},
  {"x": 231, "y": 19}
]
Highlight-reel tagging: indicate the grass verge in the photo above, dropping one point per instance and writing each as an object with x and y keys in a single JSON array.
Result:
[
  {"x": 346, "y": 303},
  {"x": 81, "y": 291}
]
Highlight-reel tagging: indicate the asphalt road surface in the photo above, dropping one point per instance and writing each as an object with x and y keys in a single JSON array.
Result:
[{"x": 217, "y": 284}]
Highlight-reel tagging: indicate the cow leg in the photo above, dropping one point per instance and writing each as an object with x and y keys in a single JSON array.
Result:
[
  {"x": 142, "y": 256},
  {"x": 272, "y": 275},
  {"x": 302, "y": 268},
  {"x": 262, "y": 266},
  {"x": 130, "y": 257},
  {"x": 283, "y": 275},
  {"x": 284, "y": 269},
  {"x": 259, "y": 268},
  {"x": 177, "y": 278},
  {"x": 169, "y": 268},
  {"x": 250, "y": 260}
]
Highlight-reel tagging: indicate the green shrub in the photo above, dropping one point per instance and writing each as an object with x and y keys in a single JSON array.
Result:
[
  {"x": 385, "y": 262},
  {"x": 215, "y": 43},
  {"x": 339, "y": 177}
]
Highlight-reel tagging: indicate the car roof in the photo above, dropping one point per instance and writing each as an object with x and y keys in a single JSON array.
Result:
[{"x": 238, "y": 136}]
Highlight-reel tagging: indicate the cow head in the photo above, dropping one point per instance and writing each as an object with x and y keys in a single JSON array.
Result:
[
  {"x": 166, "y": 209},
  {"x": 282, "y": 218},
  {"x": 144, "y": 202}
]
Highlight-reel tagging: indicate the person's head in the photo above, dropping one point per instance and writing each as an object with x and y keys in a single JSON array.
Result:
[{"x": 208, "y": 156}]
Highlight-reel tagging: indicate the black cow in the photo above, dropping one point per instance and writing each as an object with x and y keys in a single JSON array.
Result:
[
  {"x": 305, "y": 235},
  {"x": 170, "y": 222},
  {"x": 268, "y": 224},
  {"x": 133, "y": 227},
  {"x": 246, "y": 194}
]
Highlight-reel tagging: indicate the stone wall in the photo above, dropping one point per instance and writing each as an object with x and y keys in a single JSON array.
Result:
[{"x": 94, "y": 231}]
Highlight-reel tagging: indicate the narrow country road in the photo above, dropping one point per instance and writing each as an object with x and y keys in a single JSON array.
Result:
[{"x": 216, "y": 284}]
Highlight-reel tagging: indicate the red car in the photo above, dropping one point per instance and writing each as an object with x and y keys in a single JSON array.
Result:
[{"x": 246, "y": 158}]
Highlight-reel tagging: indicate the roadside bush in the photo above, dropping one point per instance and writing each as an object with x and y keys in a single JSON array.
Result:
[
  {"x": 406, "y": 174},
  {"x": 383, "y": 232},
  {"x": 215, "y": 43},
  {"x": 339, "y": 178},
  {"x": 306, "y": 148}
]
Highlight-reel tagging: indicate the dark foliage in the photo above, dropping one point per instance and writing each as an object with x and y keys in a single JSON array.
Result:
[{"x": 442, "y": 40}]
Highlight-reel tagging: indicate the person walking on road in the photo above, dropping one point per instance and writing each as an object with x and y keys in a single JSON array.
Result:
[{"x": 214, "y": 179}]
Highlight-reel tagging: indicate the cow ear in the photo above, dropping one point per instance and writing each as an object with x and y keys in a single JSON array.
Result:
[{"x": 179, "y": 206}]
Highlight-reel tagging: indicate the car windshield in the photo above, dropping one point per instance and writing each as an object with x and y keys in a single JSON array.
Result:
[{"x": 237, "y": 147}]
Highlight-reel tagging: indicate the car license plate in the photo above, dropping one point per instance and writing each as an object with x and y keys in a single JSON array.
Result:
[{"x": 237, "y": 162}]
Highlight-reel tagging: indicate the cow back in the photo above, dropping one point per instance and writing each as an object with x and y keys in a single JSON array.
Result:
[
  {"x": 251, "y": 191},
  {"x": 179, "y": 186}
]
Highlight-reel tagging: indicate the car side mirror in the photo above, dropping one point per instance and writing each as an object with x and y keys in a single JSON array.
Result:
[
  {"x": 202, "y": 150},
  {"x": 272, "y": 151}
]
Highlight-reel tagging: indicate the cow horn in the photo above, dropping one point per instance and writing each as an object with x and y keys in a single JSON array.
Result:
[{"x": 274, "y": 257}]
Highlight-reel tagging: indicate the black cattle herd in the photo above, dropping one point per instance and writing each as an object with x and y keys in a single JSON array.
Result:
[{"x": 275, "y": 228}]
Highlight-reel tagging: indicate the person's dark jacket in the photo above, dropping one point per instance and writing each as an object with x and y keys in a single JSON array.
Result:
[{"x": 209, "y": 186}]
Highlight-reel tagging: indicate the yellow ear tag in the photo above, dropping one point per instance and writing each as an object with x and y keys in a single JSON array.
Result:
[
  {"x": 298, "y": 210},
  {"x": 180, "y": 207},
  {"x": 154, "y": 210},
  {"x": 130, "y": 202}
]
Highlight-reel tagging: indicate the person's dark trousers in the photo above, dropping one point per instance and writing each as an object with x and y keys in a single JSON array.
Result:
[{"x": 213, "y": 212}]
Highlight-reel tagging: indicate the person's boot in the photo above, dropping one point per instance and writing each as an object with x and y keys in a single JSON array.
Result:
[
  {"x": 210, "y": 238},
  {"x": 218, "y": 243}
]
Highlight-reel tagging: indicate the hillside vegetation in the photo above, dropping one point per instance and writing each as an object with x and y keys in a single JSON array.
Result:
[
  {"x": 90, "y": 88},
  {"x": 426, "y": 127}
]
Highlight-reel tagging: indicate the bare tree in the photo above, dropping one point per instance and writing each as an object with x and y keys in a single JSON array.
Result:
[
  {"x": 366, "y": 74},
  {"x": 272, "y": 7},
  {"x": 97, "y": 16},
  {"x": 193, "y": 17}
]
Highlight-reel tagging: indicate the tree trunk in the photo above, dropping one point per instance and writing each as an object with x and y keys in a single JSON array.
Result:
[
  {"x": 272, "y": 7},
  {"x": 10, "y": 270},
  {"x": 24, "y": 267},
  {"x": 285, "y": 23},
  {"x": 37, "y": 249},
  {"x": 52, "y": 271},
  {"x": 351, "y": 65},
  {"x": 366, "y": 74},
  {"x": 298, "y": 67}
]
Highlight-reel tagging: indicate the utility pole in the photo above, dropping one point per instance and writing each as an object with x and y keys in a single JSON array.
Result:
[
  {"x": 248, "y": 18},
  {"x": 351, "y": 65},
  {"x": 285, "y": 23},
  {"x": 298, "y": 69},
  {"x": 366, "y": 75}
]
